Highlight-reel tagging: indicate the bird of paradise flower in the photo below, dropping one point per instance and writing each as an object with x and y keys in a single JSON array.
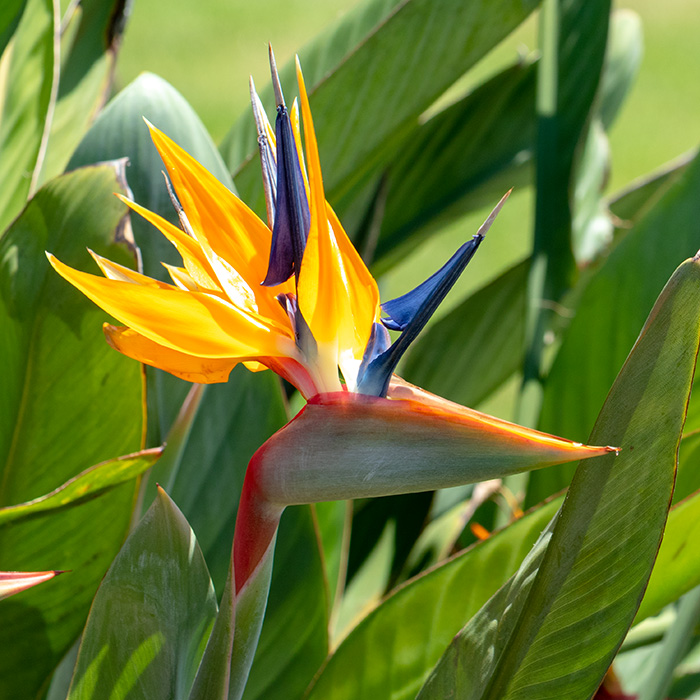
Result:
[{"x": 294, "y": 296}]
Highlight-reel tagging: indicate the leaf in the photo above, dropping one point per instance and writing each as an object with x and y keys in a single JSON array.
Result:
[
  {"x": 594, "y": 564},
  {"x": 470, "y": 352},
  {"x": 623, "y": 57},
  {"x": 334, "y": 519},
  {"x": 677, "y": 570},
  {"x": 632, "y": 203},
  {"x": 87, "y": 68},
  {"x": 433, "y": 42},
  {"x": 26, "y": 106},
  {"x": 68, "y": 402},
  {"x": 85, "y": 486},
  {"x": 463, "y": 158},
  {"x": 582, "y": 371},
  {"x": 151, "y": 616},
  {"x": 54, "y": 357},
  {"x": 10, "y": 15},
  {"x": 407, "y": 633}
]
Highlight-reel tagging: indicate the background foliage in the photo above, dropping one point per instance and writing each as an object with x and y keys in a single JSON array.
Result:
[{"x": 413, "y": 155}]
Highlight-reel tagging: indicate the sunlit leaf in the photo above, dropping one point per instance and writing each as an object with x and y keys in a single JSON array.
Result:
[
  {"x": 578, "y": 591},
  {"x": 10, "y": 14},
  {"x": 83, "y": 487},
  {"x": 68, "y": 402},
  {"x": 407, "y": 633},
  {"x": 150, "y": 618},
  {"x": 87, "y": 68},
  {"x": 26, "y": 107}
]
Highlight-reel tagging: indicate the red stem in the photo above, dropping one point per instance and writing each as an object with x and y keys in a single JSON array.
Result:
[{"x": 256, "y": 524}]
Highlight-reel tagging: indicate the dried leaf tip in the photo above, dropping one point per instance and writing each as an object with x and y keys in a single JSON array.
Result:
[
  {"x": 279, "y": 97},
  {"x": 483, "y": 229}
]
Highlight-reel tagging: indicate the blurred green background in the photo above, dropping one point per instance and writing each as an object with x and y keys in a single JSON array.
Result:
[{"x": 207, "y": 50}]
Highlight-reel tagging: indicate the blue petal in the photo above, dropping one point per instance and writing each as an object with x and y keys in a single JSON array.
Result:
[
  {"x": 292, "y": 216},
  {"x": 377, "y": 344},
  {"x": 425, "y": 298},
  {"x": 410, "y": 312}
]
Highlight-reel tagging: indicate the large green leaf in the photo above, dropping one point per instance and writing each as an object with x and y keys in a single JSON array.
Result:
[
  {"x": 425, "y": 46},
  {"x": 68, "y": 402},
  {"x": 54, "y": 357},
  {"x": 151, "y": 616},
  {"x": 578, "y": 381},
  {"x": 87, "y": 68},
  {"x": 405, "y": 636},
  {"x": 27, "y": 104},
  {"x": 578, "y": 591},
  {"x": 470, "y": 352}
]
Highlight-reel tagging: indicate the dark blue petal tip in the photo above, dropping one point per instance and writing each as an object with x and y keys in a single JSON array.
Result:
[
  {"x": 292, "y": 217},
  {"x": 409, "y": 313}
]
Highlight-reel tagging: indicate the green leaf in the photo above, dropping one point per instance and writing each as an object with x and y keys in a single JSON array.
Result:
[
  {"x": 54, "y": 357},
  {"x": 151, "y": 616},
  {"x": 27, "y": 104},
  {"x": 433, "y": 42},
  {"x": 334, "y": 520},
  {"x": 577, "y": 593},
  {"x": 68, "y": 402},
  {"x": 675, "y": 644},
  {"x": 677, "y": 569},
  {"x": 87, "y": 68},
  {"x": 10, "y": 15},
  {"x": 85, "y": 486},
  {"x": 407, "y": 633},
  {"x": 623, "y": 57},
  {"x": 583, "y": 371},
  {"x": 470, "y": 352},
  {"x": 461, "y": 159},
  {"x": 592, "y": 226},
  {"x": 635, "y": 201}
]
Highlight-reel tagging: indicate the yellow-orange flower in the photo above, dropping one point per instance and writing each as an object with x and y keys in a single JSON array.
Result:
[{"x": 216, "y": 313}]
